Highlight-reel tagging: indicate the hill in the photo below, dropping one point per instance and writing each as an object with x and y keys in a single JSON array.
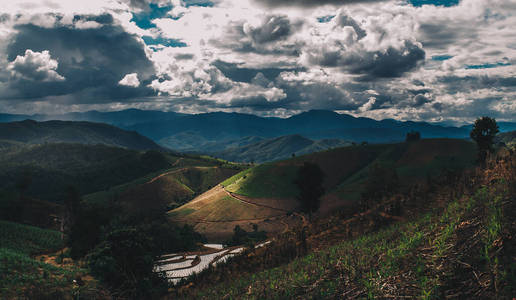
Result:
[
  {"x": 24, "y": 275},
  {"x": 266, "y": 194},
  {"x": 278, "y": 148},
  {"x": 48, "y": 169},
  {"x": 453, "y": 240},
  {"x": 315, "y": 124},
  {"x": 32, "y": 132},
  {"x": 170, "y": 188},
  {"x": 508, "y": 138},
  {"x": 217, "y": 131}
]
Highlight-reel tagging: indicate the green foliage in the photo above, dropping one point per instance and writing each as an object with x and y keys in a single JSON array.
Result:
[
  {"x": 90, "y": 168},
  {"x": 125, "y": 260},
  {"x": 268, "y": 180},
  {"x": 483, "y": 133},
  {"x": 21, "y": 276},
  {"x": 242, "y": 237},
  {"x": 27, "y": 239}
]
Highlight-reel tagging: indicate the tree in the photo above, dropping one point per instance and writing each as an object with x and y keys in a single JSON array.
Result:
[
  {"x": 413, "y": 136},
  {"x": 309, "y": 181},
  {"x": 483, "y": 133}
]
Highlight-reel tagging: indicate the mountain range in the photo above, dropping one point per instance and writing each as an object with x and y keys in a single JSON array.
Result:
[{"x": 218, "y": 132}]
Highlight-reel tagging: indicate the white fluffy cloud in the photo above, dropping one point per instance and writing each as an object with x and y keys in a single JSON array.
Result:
[
  {"x": 130, "y": 80},
  {"x": 381, "y": 59},
  {"x": 37, "y": 66}
]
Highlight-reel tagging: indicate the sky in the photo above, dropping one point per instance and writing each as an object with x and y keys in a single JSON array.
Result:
[{"x": 423, "y": 60}]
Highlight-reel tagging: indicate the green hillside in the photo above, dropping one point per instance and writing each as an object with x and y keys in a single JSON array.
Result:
[
  {"x": 49, "y": 169},
  {"x": 33, "y": 133},
  {"x": 186, "y": 177},
  {"x": 278, "y": 148},
  {"x": 21, "y": 274},
  {"x": 346, "y": 168},
  {"x": 453, "y": 240},
  {"x": 268, "y": 190}
]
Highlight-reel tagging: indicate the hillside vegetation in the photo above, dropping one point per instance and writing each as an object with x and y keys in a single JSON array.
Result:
[
  {"x": 33, "y": 133},
  {"x": 453, "y": 239},
  {"x": 22, "y": 275},
  {"x": 508, "y": 138},
  {"x": 278, "y": 148},
  {"x": 267, "y": 192},
  {"x": 49, "y": 168}
]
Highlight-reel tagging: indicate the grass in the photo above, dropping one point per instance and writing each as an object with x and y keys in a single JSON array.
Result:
[
  {"x": 221, "y": 209},
  {"x": 21, "y": 275},
  {"x": 414, "y": 258},
  {"x": 28, "y": 240},
  {"x": 265, "y": 181}
]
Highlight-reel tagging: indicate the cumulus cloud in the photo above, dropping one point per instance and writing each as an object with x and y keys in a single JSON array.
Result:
[
  {"x": 381, "y": 59},
  {"x": 376, "y": 50},
  {"x": 37, "y": 66},
  {"x": 130, "y": 80},
  {"x": 92, "y": 60}
]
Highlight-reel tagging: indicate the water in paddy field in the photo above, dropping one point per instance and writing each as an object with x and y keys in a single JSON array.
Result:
[{"x": 179, "y": 266}]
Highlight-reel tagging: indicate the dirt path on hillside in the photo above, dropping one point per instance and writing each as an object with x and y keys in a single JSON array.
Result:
[
  {"x": 230, "y": 221},
  {"x": 175, "y": 171},
  {"x": 244, "y": 200},
  {"x": 166, "y": 174}
]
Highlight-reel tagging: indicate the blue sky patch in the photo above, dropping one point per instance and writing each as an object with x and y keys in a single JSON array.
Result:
[
  {"x": 325, "y": 19},
  {"x": 441, "y": 57},
  {"x": 203, "y": 3},
  {"x": 144, "y": 19},
  {"x": 445, "y": 3},
  {"x": 162, "y": 41},
  {"x": 487, "y": 65}
]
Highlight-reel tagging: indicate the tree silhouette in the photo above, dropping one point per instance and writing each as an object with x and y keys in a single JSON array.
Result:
[
  {"x": 309, "y": 181},
  {"x": 483, "y": 133},
  {"x": 413, "y": 136}
]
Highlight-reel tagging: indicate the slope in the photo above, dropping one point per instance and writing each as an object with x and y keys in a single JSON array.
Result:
[
  {"x": 22, "y": 275},
  {"x": 277, "y": 148},
  {"x": 455, "y": 242},
  {"x": 269, "y": 192},
  {"x": 48, "y": 169}
]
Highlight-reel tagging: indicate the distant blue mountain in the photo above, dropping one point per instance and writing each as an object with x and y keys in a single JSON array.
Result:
[{"x": 217, "y": 131}]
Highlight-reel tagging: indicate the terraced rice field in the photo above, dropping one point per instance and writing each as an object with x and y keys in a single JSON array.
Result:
[{"x": 179, "y": 266}]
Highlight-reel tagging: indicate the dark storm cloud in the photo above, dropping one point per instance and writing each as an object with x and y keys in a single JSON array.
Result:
[
  {"x": 457, "y": 84},
  {"x": 93, "y": 61},
  {"x": 389, "y": 63},
  {"x": 344, "y": 20},
  {"x": 440, "y": 36},
  {"x": 236, "y": 73},
  {"x": 104, "y": 19},
  {"x": 268, "y": 38},
  {"x": 274, "y": 28}
]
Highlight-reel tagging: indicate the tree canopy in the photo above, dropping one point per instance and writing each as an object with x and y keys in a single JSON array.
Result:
[
  {"x": 483, "y": 133},
  {"x": 309, "y": 181}
]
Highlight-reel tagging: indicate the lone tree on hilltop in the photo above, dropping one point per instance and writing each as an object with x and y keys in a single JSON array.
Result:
[
  {"x": 413, "y": 136},
  {"x": 483, "y": 133},
  {"x": 309, "y": 181}
]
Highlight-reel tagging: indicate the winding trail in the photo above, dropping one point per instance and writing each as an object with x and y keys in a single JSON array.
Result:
[{"x": 241, "y": 199}]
